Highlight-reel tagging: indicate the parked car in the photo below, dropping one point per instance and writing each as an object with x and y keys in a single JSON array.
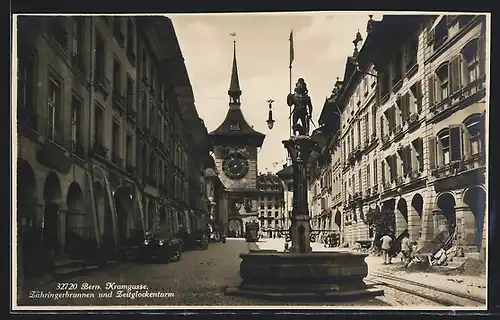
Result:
[{"x": 161, "y": 245}]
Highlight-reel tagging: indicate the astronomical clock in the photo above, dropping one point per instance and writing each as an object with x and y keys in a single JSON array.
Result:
[{"x": 235, "y": 165}]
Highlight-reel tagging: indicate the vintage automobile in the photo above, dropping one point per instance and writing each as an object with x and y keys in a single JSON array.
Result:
[{"x": 161, "y": 245}]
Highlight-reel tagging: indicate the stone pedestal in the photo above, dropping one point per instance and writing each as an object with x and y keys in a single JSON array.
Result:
[{"x": 300, "y": 234}]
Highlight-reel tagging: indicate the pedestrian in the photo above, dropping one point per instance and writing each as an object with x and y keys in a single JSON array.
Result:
[
  {"x": 386, "y": 247},
  {"x": 406, "y": 248}
]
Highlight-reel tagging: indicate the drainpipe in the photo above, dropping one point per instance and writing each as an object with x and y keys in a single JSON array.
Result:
[{"x": 89, "y": 173}]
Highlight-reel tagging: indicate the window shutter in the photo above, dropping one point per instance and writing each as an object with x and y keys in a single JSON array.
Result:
[
  {"x": 431, "y": 146},
  {"x": 406, "y": 104},
  {"x": 381, "y": 126},
  {"x": 481, "y": 51},
  {"x": 455, "y": 143},
  {"x": 455, "y": 74},
  {"x": 466, "y": 142},
  {"x": 431, "y": 85},
  {"x": 418, "y": 95},
  {"x": 383, "y": 171}
]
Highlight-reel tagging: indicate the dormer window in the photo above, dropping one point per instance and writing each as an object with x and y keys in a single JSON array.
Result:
[{"x": 234, "y": 126}]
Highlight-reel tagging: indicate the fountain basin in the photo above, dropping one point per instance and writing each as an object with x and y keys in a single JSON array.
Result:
[{"x": 295, "y": 276}]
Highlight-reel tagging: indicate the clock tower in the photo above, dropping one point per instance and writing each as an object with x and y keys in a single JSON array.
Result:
[{"x": 235, "y": 145}]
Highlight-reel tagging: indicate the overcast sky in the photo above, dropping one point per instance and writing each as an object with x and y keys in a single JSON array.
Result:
[{"x": 322, "y": 43}]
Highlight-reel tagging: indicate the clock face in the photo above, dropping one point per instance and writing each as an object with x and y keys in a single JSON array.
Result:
[{"x": 235, "y": 166}]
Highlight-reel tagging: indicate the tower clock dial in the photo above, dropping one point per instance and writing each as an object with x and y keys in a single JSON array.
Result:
[{"x": 235, "y": 166}]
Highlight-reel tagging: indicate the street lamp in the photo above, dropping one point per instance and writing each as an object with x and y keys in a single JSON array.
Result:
[{"x": 270, "y": 120}]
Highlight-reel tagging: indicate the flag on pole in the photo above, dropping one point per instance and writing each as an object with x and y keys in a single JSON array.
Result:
[{"x": 292, "y": 54}]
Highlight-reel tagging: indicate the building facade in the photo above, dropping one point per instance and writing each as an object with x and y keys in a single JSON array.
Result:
[
  {"x": 235, "y": 145},
  {"x": 102, "y": 127},
  {"x": 413, "y": 129},
  {"x": 271, "y": 204}
]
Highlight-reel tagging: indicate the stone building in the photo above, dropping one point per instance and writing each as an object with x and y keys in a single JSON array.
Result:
[
  {"x": 235, "y": 145},
  {"x": 103, "y": 108},
  {"x": 271, "y": 204},
  {"x": 413, "y": 143},
  {"x": 286, "y": 177}
]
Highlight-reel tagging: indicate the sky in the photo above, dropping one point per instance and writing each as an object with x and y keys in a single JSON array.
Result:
[{"x": 322, "y": 43}]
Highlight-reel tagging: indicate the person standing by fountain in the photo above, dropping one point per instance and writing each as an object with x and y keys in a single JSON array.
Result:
[{"x": 386, "y": 248}]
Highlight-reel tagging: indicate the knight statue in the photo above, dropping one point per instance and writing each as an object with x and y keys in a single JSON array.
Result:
[{"x": 302, "y": 108}]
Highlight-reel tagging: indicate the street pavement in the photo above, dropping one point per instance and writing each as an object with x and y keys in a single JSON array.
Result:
[{"x": 198, "y": 279}]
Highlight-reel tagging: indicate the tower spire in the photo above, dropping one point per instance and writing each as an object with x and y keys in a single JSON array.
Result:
[{"x": 234, "y": 87}]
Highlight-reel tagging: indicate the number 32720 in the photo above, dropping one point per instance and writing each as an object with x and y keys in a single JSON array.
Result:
[{"x": 66, "y": 286}]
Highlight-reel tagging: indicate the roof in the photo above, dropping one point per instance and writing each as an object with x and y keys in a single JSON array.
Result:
[
  {"x": 234, "y": 117},
  {"x": 268, "y": 179}
]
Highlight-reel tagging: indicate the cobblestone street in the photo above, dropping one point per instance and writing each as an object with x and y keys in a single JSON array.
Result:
[{"x": 197, "y": 279}]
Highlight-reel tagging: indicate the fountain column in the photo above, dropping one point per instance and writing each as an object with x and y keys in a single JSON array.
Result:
[{"x": 300, "y": 148}]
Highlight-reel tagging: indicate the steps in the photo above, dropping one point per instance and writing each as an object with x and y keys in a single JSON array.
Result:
[{"x": 66, "y": 267}]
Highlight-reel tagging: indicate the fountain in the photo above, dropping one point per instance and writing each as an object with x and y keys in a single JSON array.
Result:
[{"x": 302, "y": 274}]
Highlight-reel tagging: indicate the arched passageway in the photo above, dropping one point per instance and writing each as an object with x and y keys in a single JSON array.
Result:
[
  {"x": 236, "y": 228},
  {"x": 51, "y": 223},
  {"x": 78, "y": 226},
  {"x": 446, "y": 209},
  {"x": 124, "y": 213},
  {"x": 415, "y": 217},
  {"x": 401, "y": 213},
  {"x": 475, "y": 199},
  {"x": 151, "y": 215},
  {"x": 28, "y": 223}
]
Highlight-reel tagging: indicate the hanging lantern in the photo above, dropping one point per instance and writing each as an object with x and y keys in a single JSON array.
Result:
[{"x": 270, "y": 120}]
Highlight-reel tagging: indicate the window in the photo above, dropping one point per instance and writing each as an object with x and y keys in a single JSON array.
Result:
[
  {"x": 98, "y": 126},
  {"x": 276, "y": 214},
  {"x": 383, "y": 172},
  {"x": 129, "y": 149},
  {"x": 367, "y": 127},
  {"x": 416, "y": 101},
  {"x": 26, "y": 86},
  {"x": 390, "y": 114},
  {"x": 54, "y": 111},
  {"x": 116, "y": 79},
  {"x": 406, "y": 162},
  {"x": 77, "y": 41},
  {"x": 262, "y": 206},
  {"x": 57, "y": 30},
  {"x": 450, "y": 145},
  {"x": 382, "y": 124},
  {"x": 130, "y": 36},
  {"x": 151, "y": 118},
  {"x": 269, "y": 205},
  {"x": 397, "y": 68},
  {"x": 475, "y": 134},
  {"x": 440, "y": 34},
  {"x": 234, "y": 126},
  {"x": 76, "y": 125},
  {"x": 418, "y": 154},
  {"x": 404, "y": 105},
  {"x": 384, "y": 84},
  {"x": 411, "y": 50},
  {"x": 393, "y": 169},
  {"x": 470, "y": 54},
  {"x": 269, "y": 213},
  {"x": 130, "y": 94},
  {"x": 360, "y": 179},
  {"x": 375, "y": 171},
  {"x": 359, "y": 132},
  {"x": 115, "y": 141},
  {"x": 144, "y": 66},
  {"x": 276, "y": 204},
  {"x": 368, "y": 177},
  {"x": 365, "y": 86},
  {"x": 100, "y": 57},
  {"x": 442, "y": 77}
]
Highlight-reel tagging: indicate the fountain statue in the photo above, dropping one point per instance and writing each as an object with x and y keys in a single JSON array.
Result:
[{"x": 299, "y": 273}]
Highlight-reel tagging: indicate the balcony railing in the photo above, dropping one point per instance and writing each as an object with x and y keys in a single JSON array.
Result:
[
  {"x": 117, "y": 160},
  {"x": 399, "y": 180},
  {"x": 131, "y": 57},
  {"x": 100, "y": 150},
  {"x": 415, "y": 174},
  {"x": 77, "y": 149},
  {"x": 102, "y": 83},
  {"x": 119, "y": 36},
  {"x": 375, "y": 189},
  {"x": 56, "y": 137},
  {"x": 131, "y": 169},
  {"x": 118, "y": 103},
  {"x": 475, "y": 161},
  {"x": 77, "y": 62},
  {"x": 28, "y": 118},
  {"x": 413, "y": 119},
  {"x": 58, "y": 32},
  {"x": 132, "y": 115}
]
